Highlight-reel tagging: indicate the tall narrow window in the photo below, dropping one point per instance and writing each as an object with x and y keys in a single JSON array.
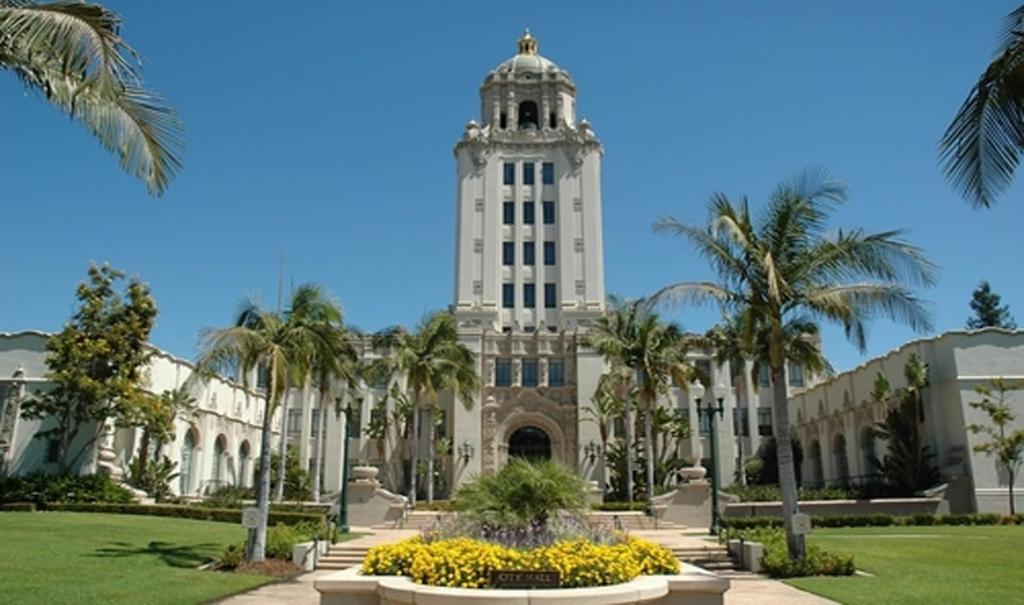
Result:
[
  {"x": 508, "y": 253},
  {"x": 550, "y": 296},
  {"x": 549, "y": 213},
  {"x": 556, "y": 372},
  {"x": 503, "y": 373},
  {"x": 530, "y": 296},
  {"x": 552, "y": 120},
  {"x": 503, "y": 121},
  {"x": 547, "y": 170},
  {"x": 509, "y": 213},
  {"x": 528, "y": 173},
  {"x": 530, "y": 378},
  {"x": 764, "y": 378},
  {"x": 549, "y": 253},
  {"x": 528, "y": 213},
  {"x": 508, "y": 295},
  {"x": 796, "y": 375},
  {"x": 529, "y": 253},
  {"x": 764, "y": 421},
  {"x": 510, "y": 173}
]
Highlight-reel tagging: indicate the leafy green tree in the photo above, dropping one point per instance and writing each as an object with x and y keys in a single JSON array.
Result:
[
  {"x": 522, "y": 493},
  {"x": 987, "y": 310},
  {"x": 155, "y": 415},
  {"x": 980, "y": 149},
  {"x": 1008, "y": 449},
  {"x": 431, "y": 360},
  {"x": 260, "y": 339},
  {"x": 96, "y": 361},
  {"x": 73, "y": 54},
  {"x": 908, "y": 465},
  {"x": 782, "y": 267}
]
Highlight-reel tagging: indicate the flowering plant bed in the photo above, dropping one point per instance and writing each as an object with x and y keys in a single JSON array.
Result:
[{"x": 469, "y": 563}]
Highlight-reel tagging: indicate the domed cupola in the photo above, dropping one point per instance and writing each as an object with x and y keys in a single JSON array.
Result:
[{"x": 527, "y": 92}]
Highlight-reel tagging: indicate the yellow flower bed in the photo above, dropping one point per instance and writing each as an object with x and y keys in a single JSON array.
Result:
[{"x": 468, "y": 563}]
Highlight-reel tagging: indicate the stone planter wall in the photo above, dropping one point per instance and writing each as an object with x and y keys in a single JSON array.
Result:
[{"x": 691, "y": 587}]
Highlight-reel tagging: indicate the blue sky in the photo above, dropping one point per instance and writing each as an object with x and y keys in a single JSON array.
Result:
[{"x": 327, "y": 134}]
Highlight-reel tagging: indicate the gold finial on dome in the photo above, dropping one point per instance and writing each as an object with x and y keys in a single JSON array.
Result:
[{"x": 527, "y": 44}]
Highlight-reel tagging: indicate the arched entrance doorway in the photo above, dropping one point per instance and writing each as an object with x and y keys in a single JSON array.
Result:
[{"x": 530, "y": 442}]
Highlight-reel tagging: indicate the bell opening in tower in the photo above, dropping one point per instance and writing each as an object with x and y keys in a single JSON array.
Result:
[{"x": 528, "y": 118}]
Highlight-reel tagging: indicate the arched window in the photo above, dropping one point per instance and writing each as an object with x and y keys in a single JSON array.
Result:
[
  {"x": 188, "y": 455},
  {"x": 220, "y": 447},
  {"x": 243, "y": 465},
  {"x": 817, "y": 473},
  {"x": 839, "y": 461},
  {"x": 867, "y": 450},
  {"x": 528, "y": 116},
  {"x": 530, "y": 442}
]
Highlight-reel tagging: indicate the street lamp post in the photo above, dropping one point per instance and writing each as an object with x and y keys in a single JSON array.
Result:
[
  {"x": 711, "y": 410},
  {"x": 343, "y": 505}
]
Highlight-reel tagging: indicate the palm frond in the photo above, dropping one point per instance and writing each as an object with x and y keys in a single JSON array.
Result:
[
  {"x": 980, "y": 149},
  {"x": 72, "y": 53}
]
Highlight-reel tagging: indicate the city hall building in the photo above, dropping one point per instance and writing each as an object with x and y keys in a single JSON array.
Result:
[{"x": 528, "y": 284}]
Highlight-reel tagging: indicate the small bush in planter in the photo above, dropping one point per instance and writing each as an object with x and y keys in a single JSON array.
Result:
[{"x": 523, "y": 492}]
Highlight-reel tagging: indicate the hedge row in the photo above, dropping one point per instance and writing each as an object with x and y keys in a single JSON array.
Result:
[
  {"x": 18, "y": 507},
  {"x": 878, "y": 520},
  {"x": 620, "y": 506},
  {"x": 200, "y": 513}
]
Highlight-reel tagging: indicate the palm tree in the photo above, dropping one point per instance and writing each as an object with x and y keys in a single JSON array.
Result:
[
  {"x": 258, "y": 339},
  {"x": 632, "y": 337},
  {"x": 74, "y": 55},
  {"x": 980, "y": 149},
  {"x": 782, "y": 268},
  {"x": 333, "y": 358},
  {"x": 607, "y": 406},
  {"x": 431, "y": 360},
  {"x": 610, "y": 336}
]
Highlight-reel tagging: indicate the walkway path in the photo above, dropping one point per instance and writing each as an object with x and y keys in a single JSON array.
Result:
[{"x": 746, "y": 588}]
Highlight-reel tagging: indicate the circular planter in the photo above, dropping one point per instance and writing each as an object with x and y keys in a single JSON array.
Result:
[
  {"x": 365, "y": 474},
  {"x": 693, "y": 473}
]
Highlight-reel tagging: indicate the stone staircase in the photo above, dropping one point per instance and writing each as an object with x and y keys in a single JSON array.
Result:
[
  {"x": 342, "y": 556},
  {"x": 712, "y": 557}
]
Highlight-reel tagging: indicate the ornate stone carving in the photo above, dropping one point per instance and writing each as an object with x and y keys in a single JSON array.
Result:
[{"x": 10, "y": 407}]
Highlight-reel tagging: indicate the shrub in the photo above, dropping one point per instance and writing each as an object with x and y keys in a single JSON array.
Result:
[
  {"x": 18, "y": 507},
  {"x": 620, "y": 506},
  {"x": 228, "y": 496},
  {"x": 281, "y": 539},
  {"x": 199, "y": 513},
  {"x": 468, "y": 563},
  {"x": 231, "y": 557},
  {"x": 436, "y": 505},
  {"x": 43, "y": 488},
  {"x": 523, "y": 492},
  {"x": 872, "y": 520},
  {"x": 772, "y": 493},
  {"x": 156, "y": 479},
  {"x": 815, "y": 562}
]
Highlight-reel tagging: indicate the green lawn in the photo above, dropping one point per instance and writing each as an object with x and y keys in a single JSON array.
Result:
[
  {"x": 56, "y": 558},
  {"x": 924, "y": 565}
]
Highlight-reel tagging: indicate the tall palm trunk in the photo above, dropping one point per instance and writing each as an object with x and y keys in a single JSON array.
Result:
[
  {"x": 784, "y": 450},
  {"x": 649, "y": 454},
  {"x": 627, "y": 444},
  {"x": 414, "y": 447},
  {"x": 317, "y": 444},
  {"x": 283, "y": 449},
  {"x": 257, "y": 547},
  {"x": 431, "y": 428},
  {"x": 143, "y": 453}
]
